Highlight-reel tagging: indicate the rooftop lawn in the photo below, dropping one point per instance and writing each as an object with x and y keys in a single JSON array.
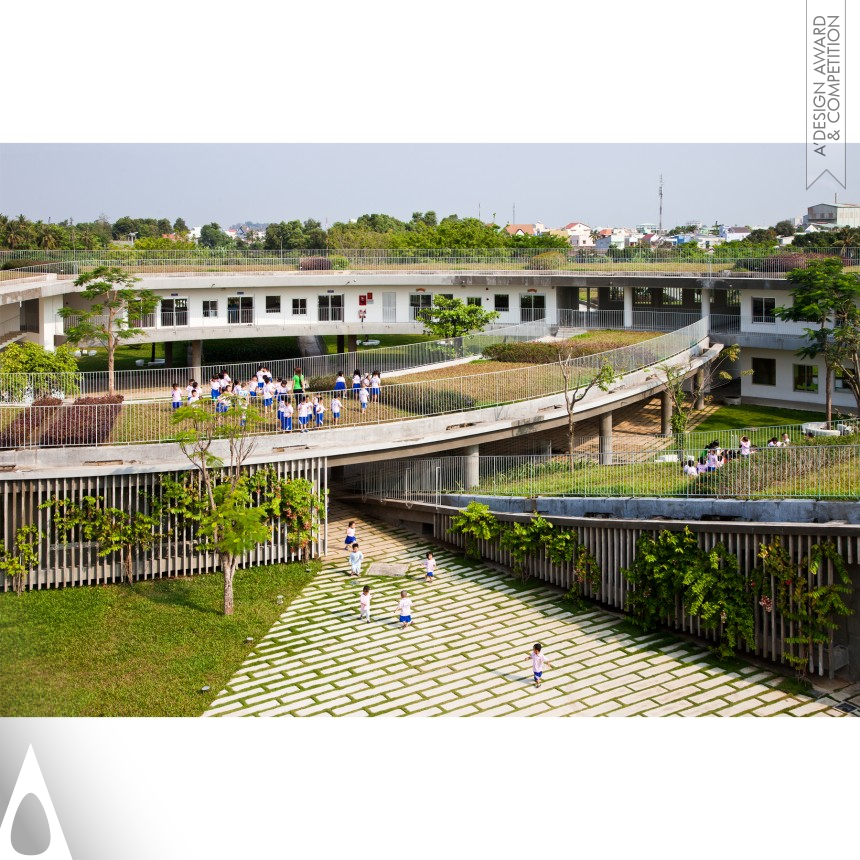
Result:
[
  {"x": 740, "y": 417},
  {"x": 140, "y": 650}
]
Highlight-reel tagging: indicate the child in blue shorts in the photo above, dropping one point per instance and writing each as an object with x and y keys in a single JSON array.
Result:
[
  {"x": 429, "y": 567},
  {"x": 538, "y": 662},
  {"x": 404, "y": 608},
  {"x": 176, "y": 395}
]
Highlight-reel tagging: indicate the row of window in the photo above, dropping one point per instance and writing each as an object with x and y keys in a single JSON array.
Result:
[
  {"x": 671, "y": 296},
  {"x": 805, "y": 376}
]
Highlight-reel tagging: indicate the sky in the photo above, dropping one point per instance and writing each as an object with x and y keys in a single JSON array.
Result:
[{"x": 599, "y": 184}]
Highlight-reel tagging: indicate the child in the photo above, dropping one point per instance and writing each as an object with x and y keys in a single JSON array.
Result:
[
  {"x": 176, "y": 394},
  {"x": 222, "y": 404},
  {"x": 215, "y": 385},
  {"x": 786, "y": 440},
  {"x": 745, "y": 446},
  {"x": 268, "y": 393},
  {"x": 350, "y": 535},
  {"x": 690, "y": 469},
  {"x": 304, "y": 415},
  {"x": 375, "y": 385},
  {"x": 356, "y": 382},
  {"x": 404, "y": 608},
  {"x": 335, "y": 409},
  {"x": 362, "y": 399},
  {"x": 194, "y": 397},
  {"x": 340, "y": 382},
  {"x": 356, "y": 557},
  {"x": 429, "y": 567},
  {"x": 319, "y": 409},
  {"x": 285, "y": 416},
  {"x": 538, "y": 662},
  {"x": 364, "y": 604}
]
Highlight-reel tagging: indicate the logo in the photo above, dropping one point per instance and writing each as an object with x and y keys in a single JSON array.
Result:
[{"x": 30, "y": 826}]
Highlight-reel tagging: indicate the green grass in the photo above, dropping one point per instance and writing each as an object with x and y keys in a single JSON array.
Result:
[
  {"x": 140, "y": 650},
  {"x": 384, "y": 340},
  {"x": 739, "y": 417},
  {"x": 125, "y": 357},
  {"x": 795, "y": 687}
]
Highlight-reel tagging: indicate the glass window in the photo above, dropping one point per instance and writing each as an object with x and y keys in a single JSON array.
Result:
[
  {"x": 273, "y": 304},
  {"x": 502, "y": 303},
  {"x": 210, "y": 309},
  {"x": 733, "y": 298},
  {"x": 762, "y": 309},
  {"x": 300, "y": 307},
  {"x": 839, "y": 379},
  {"x": 642, "y": 296},
  {"x": 764, "y": 371},
  {"x": 616, "y": 294},
  {"x": 806, "y": 378},
  {"x": 672, "y": 296},
  {"x": 474, "y": 300}
]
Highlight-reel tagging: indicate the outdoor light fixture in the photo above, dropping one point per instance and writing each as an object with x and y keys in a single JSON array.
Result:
[
  {"x": 280, "y": 598},
  {"x": 204, "y": 689},
  {"x": 249, "y": 639}
]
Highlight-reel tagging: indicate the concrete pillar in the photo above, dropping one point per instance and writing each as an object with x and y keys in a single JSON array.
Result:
[
  {"x": 196, "y": 359},
  {"x": 351, "y": 343},
  {"x": 168, "y": 353},
  {"x": 340, "y": 344},
  {"x": 699, "y": 386},
  {"x": 606, "y": 439},
  {"x": 473, "y": 465},
  {"x": 665, "y": 414},
  {"x": 706, "y": 302},
  {"x": 628, "y": 307}
]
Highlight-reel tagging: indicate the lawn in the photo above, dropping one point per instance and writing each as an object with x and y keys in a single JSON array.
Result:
[
  {"x": 140, "y": 650},
  {"x": 126, "y": 355},
  {"x": 385, "y": 340},
  {"x": 742, "y": 417}
]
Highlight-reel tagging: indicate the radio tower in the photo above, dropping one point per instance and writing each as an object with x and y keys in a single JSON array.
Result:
[{"x": 660, "y": 193}]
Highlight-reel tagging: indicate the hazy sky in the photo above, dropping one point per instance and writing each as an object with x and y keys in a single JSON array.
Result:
[{"x": 756, "y": 184}]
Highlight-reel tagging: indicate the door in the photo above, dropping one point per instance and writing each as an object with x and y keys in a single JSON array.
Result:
[
  {"x": 240, "y": 310},
  {"x": 389, "y": 307},
  {"x": 174, "y": 312},
  {"x": 532, "y": 307},
  {"x": 330, "y": 308}
]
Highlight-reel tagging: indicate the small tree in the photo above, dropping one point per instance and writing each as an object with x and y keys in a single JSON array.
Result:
[
  {"x": 476, "y": 523},
  {"x": 113, "y": 529},
  {"x": 115, "y": 312},
  {"x": 577, "y": 383},
  {"x": 20, "y": 560},
  {"x": 37, "y": 371},
  {"x": 824, "y": 293},
  {"x": 452, "y": 318}
]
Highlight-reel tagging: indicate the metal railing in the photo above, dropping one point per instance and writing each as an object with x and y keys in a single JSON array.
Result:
[
  {"x": 641, "y": 320},
  {"x": 153, "y": 382},
  {"x": 723, "y": 262},
  {"x": 146, "y": 422},
  {"x": 803, "y": 472}
]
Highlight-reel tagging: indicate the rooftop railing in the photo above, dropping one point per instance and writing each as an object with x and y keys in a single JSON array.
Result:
[
  {"x": 795, "y": 472},
  {"x": 68, "y": 425},
  {"x": 722, "y": 263}
]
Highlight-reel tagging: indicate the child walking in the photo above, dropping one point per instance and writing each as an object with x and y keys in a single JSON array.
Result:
[
  {"x": 429, "y": 567},
  {"x": 356, "y": 557},
  {"x": 364, "y": 604},
  {"x": 404, "y": 609},
  {"x": 350, "y": 534},
  {"x": 538, "y": 662}
]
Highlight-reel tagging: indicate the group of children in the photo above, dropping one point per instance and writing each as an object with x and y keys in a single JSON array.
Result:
[
  {"x": 265, "y": 391},
  {"x": 404, "y": 606},
  {"x": 714, "y": 457}
]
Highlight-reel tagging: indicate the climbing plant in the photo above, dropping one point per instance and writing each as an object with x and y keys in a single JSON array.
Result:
[
  {"x": 18, "y": 560},
  {"x": 671, "y": 566},
  {"x": 476, "y": 523},
  {"x": 563, "y": 547},
  {"x": 523, "y": 541},
  {"x": 796, "y": 592}
]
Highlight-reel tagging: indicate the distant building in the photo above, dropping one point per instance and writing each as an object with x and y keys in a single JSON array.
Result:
[
  {"x": 734, "y": 234},
  {"x": 833, "y": 215},
  {"x": 520, "y": 230},
  {"x": 578, "y": 234}
]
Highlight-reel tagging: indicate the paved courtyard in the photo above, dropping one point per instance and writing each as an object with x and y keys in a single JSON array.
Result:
[{"x": 466, "y": 653}]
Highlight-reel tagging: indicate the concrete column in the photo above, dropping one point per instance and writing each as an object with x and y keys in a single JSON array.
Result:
[
  {"x": 168, "y": 353},
  {"x": 340, "y": 344},
  {"x": 706, "y": 301},
  {"x": 628, "y": 307},
  {"x": 699, "y": 386},
  {"x": 351, "y": 343},
  {"x": 196, "y": 359},
  {"x": 473, "y": 464},
  {"x": 606, "y": 439},
  {"x": 665, "y": 413}
]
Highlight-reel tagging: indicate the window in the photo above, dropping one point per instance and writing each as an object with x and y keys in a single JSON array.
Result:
[
  {"x": 300, "y": 307},
  {"x": 806, "y": 378},
  {"x": 642, "y": 296},
  {"x": 616, "y": 294},
  {"x": 474, "y": 300},
  {"x": 174, "y": 312},
  {"x": 502, "y": 303},
  {"x": 762, "y": 310},
  {"x": 210, "y": 309},
  {"x": 840, "y": 375},
  {"x": 418, "y": 304},
  {"x": 448, "y": 296},
  {"x": 764, "y": 371},
  {"x": 733, "y": 298},
  {"x": 273, "y": 304},
  {"x": 330, "y": 308},
  {"x": 672, "y": 296}
]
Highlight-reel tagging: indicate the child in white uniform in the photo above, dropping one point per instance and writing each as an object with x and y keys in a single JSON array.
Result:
[
  {"x": 538, "y": 663},
  {"x": 356, "y": 557},
  {"x": 404, "y": 610},
  {"x": 364, "y": 604}
]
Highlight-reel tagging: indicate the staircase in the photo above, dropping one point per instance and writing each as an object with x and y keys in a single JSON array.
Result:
[{"x": 10, "y": 337}]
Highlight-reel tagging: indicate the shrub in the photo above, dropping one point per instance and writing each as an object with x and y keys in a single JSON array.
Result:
[
  {"x": 338, "y": 262},
  {"x": 532, "y": 352},
  {"x": 425, "y": 400},
  {"x": 24, "y": 425},
  {"x": 548, "y": 260},
  {"x": 21, "y": 264},
  {"x": 89, "y": 421},
  {"x": 310, "y": 264},
  {"x": 779, "y": 262}
]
